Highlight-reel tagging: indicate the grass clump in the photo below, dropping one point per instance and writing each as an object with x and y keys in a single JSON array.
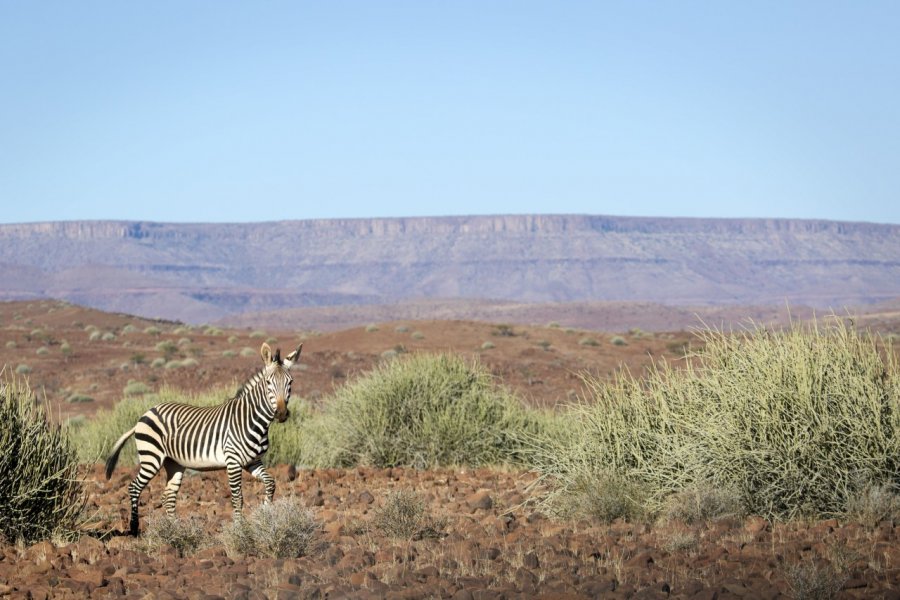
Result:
[
  {"x": 23, "y": 369},
  {"x": 421, "y": 410},
  {"x": 282, "y": 529},
  {"x": 185, "y": 535},
  {"x": 810, "y": 580},
  {"x": 790, "y": 421},
  {"x": 41, "y": 494},
  {"x": 136, "y": 388},
  {"x": 702, "y": 504},
  {"x": 405, "y": 516}
]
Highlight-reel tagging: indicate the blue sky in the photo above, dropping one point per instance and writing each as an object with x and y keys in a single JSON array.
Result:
[{"x": 252, "y": 111}]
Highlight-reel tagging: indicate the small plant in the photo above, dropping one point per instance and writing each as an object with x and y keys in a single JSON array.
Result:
[
  {"x": 65, "y": 348},
  {"x": 232, "y": 339},
  {"x": 23, "y": 369},
  {"x": 190, "y": 362},
  {"x": 138, "y": 358},
  {"x": 605, "y": 497},
  {"x": 213, "y": 331},
  {"x": 186, "y": 536},
  {"x": 401, "y": 329},
  {"x": 371, "y": 328},
  {"x": 404, "y": 516},
  {"x": 79, "y": 399},
  {"x": 152, "y": 330},
  {"x": 129, "y": 328},
  {"x": 282, "y": 529},
  {"x": 173, "y": 364},
  {"x": 618, "y": 340},
  {"x": 257, "y": 334},
  {"x": 505, "y": 330},
  {"x": 41, "y": 494},
  {"x": 42, "y": 351},
  {"x": 553, "y": 325},
  {"x": 11, "y": 344},
  {"x": 229, "y": 353},
  {"x": 702, "y": 503},
  {"x": 158, "y": 362},
  {"x": 168, "y": 349},
  {"x": 94, "y": 335},
  {"x": 487, "y": 346},
  {"x": 184, "y": 341},
  {"x": 873, "y": 504},
  {"x": 588, "y": 341},
  {"x": 417, "y": 335},
  {"x": 247, "y": 352},
  {"x": 136, "y": 388},
  {"x": 810, "y": 580},
  {"x": 108, "y": 336},
  {"x": 389, "y": 354},
  {"x": 544, "y": 344}
]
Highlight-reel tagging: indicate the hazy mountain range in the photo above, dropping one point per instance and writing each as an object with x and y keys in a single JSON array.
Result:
[{"x": 205, "y": 272}]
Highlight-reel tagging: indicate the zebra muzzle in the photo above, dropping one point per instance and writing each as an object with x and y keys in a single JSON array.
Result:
[{"x": 281, "y": 410}]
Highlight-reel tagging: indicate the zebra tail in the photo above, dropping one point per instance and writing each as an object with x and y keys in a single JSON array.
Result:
[{"x": 114, "y": 457}]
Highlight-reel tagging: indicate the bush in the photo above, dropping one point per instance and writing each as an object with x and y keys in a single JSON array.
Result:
[
  {"x": 403, "y": 515},
  {"x": 136, "y": 388},
  {"x": 23, "y": 369},
  {"x": 791, "y": 421},
  {"x": 40, "y": 492},
  {"x": 588, "y": 341},
  {"x": 282, "y": 529},
  {"x": 424, "y": 411},
  {"x": 618, "y": 340},
  {"x": 186, "y": 536},
  {"x": 158, "y": 362}
]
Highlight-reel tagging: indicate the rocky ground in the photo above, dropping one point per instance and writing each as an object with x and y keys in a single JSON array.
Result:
[{"x": 489, "y": 542}]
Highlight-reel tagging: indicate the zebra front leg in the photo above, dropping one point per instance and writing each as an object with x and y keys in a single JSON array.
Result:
[
  {"x": 257, "y": 470},
  {"x": 234, "y": 482},
  {"x": 174, "y": 474},
  {"x": 148, "y": 468}
]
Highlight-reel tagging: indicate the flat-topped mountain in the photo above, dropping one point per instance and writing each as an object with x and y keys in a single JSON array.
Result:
[{"x": 199, "y": 272}]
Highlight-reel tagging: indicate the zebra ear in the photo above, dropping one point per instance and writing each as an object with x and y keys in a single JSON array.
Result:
[
  {"x": 291, "y": 358},
  {"x": 266, "y": 353}
]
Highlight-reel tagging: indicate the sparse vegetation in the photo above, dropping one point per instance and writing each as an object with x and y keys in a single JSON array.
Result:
[
  {"x": 487, "y": 345},
  {"x": 618, "y": 340},
  {"x": 41, "y": 494},
  {"x": 152, "y": 330},
  {"x": 371, "y": 328},
  {"x": 23, "y": 369},
  {"x": 136, "y": 388},
  {"x": 588, "y": 341}
]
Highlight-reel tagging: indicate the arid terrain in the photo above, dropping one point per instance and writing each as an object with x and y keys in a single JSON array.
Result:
[{"x": 493, "y": 539}]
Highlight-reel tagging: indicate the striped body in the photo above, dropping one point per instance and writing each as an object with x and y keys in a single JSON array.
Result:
[{"x": 232, "y": 436}]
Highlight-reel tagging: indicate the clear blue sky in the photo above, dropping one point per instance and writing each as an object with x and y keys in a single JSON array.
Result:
[{"x": 250, "y": 111}]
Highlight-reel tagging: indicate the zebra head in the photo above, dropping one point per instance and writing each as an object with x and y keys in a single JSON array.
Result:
[{"x": 278, "y": 379}]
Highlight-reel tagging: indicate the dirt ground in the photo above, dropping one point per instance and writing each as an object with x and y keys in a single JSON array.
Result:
[
  {"x": 490, "y": 545},
  {"x": 542, "y": 363},
  {"x": 494, "y": 540}
]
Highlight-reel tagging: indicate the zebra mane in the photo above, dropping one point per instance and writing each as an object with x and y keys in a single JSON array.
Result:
[{"x": 251, "y": 383}]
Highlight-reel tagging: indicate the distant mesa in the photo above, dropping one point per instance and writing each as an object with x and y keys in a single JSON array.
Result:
[{"x": 206, "y": 272}]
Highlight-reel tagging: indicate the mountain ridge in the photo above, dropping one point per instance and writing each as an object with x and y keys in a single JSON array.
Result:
[{"x": 200, "y": 272}]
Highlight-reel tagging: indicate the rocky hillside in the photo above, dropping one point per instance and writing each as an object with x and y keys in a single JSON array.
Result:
[{"x": 203, "y": 272}]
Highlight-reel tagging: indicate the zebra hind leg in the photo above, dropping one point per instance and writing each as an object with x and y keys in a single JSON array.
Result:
[
  {"x": 146, "y": 472},
  {"x": 174, "y": 474},
  {"x": 257, "y": 470}
]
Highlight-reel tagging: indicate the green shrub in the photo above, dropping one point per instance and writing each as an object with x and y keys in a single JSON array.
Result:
[
  {"x": 791, "y": 421},
  {"x": 65, "y": 348},
  {"x": 108, "y": 336},
  {"x": 423, "y": 410},
  {"x": 41, "y": 494},
  {"x": 417, "y": 335},
  {"x": 11, "y": 344},
  {"x": 371, "y": 328},
  {"x": 129, "y": 328},
  {"x": 618, "y": 340},
  {"x": 229, "y": 353},
  {"x": 23, "y": 369},
  {"x": 588, "y": 341},
  {"x": 257, "y": 334},
  {"x": 487, "y": 345},
  {"x": 282, "y": 529},
  {"x": 94, "y": 335},
  {"x": 42, "y": 350},
  {"x": 247, "y": 352},
  {"x": 136, "y": 388},
  {"x": 152, "y": 330},
  {"x": 79, "y": 399}
]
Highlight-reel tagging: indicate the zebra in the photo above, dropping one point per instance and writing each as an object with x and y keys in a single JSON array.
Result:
[{"x": 233, "y": 436}]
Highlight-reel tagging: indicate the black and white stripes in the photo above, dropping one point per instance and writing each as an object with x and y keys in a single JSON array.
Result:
[{"x": 232, "y": 436}]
